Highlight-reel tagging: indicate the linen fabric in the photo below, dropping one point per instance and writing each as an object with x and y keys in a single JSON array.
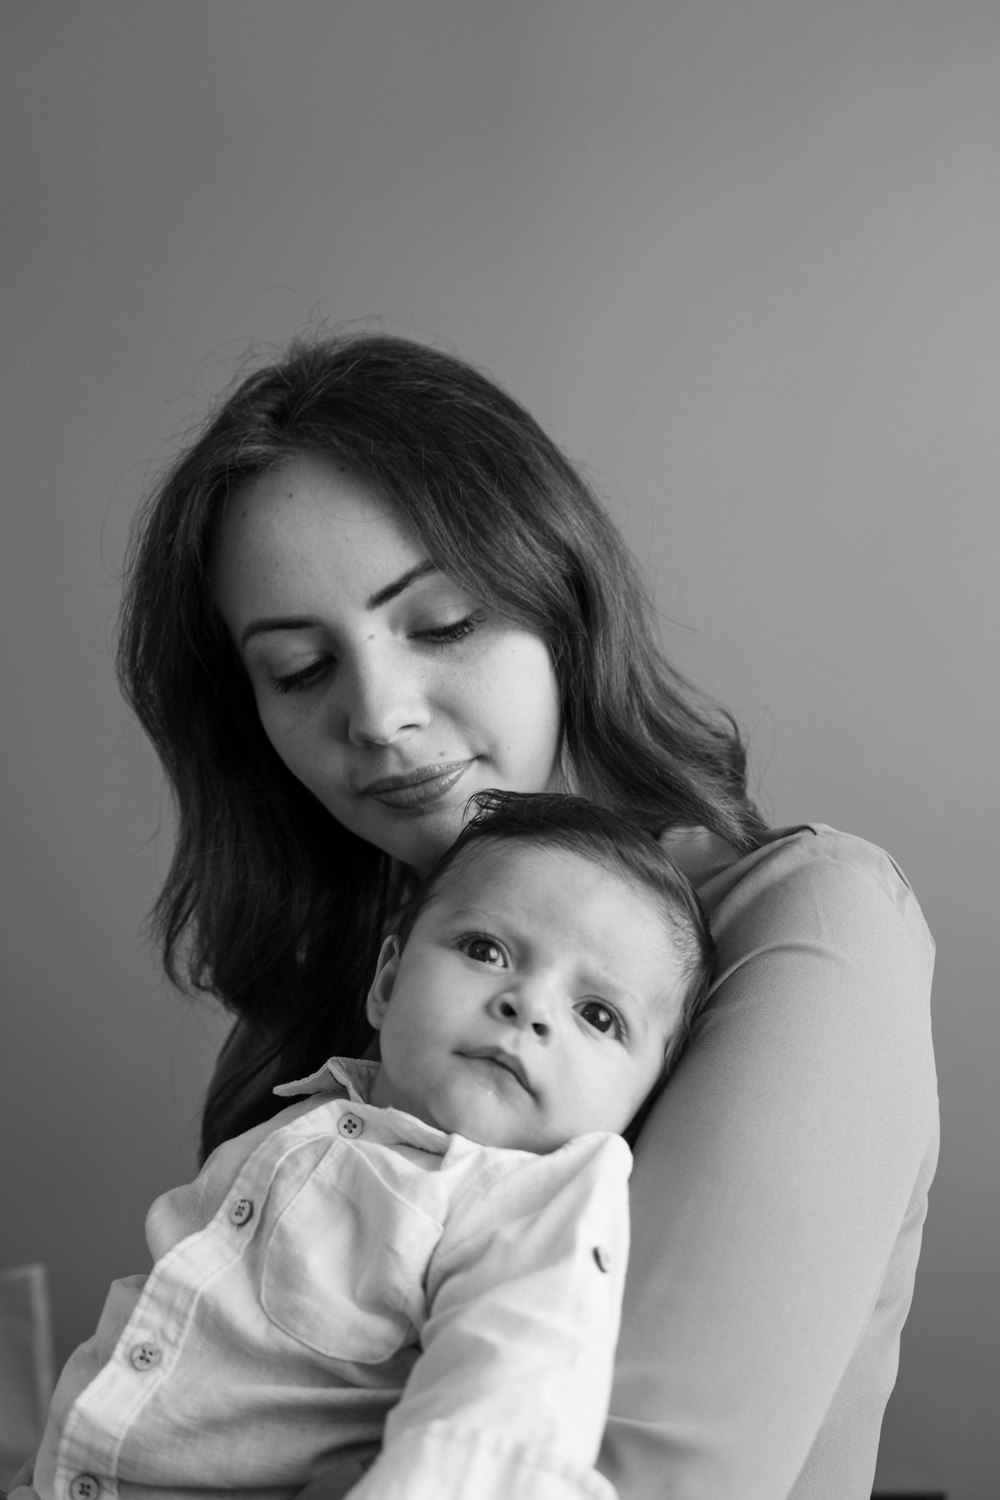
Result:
[{"x": 349, "y": 1279}]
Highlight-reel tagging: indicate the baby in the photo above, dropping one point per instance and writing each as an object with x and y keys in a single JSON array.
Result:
[{"x": 412, "y": 1276}]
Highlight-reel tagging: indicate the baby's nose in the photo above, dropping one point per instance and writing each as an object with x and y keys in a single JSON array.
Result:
[{"x": 527, "y": 1009}]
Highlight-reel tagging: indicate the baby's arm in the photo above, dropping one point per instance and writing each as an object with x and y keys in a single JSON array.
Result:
[{"x": 510, "y": 1394}]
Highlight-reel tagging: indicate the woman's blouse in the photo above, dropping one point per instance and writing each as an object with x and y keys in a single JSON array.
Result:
[{"x": 780, "y": 1185}]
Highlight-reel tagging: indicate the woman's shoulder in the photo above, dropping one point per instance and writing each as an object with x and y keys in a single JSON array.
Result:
[
  {"x": 820, "y": 945},
  {"x": 826, "y": 857},
  {"x": 814, "y": 848},
  {"x": 802, "y": 880}
]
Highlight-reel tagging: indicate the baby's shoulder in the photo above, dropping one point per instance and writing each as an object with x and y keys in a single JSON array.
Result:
[{"x": 525, "y": 1180}]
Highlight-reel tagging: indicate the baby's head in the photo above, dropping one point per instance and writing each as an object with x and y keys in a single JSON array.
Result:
[{"x": 543, "y": 978}]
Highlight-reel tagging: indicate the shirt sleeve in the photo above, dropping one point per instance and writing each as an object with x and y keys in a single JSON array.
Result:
[
  {"x": 510, "y": 1393},
  {"x": 779, "y": 1190}
]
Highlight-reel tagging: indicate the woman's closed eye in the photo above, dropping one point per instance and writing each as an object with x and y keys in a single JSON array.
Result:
[
  {"x": 483, "y": 949},
  {"x": 316, "y": 671},
  {"x": 446, "y": 635},
  {"x": 303, "y": 677},
  {"x": 602, "y": 1018}
]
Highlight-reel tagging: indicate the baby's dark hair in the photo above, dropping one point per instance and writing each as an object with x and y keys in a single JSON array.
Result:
[{"x": 610, "y": 840}]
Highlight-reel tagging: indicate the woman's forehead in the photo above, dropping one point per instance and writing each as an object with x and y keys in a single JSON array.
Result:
[
  {"x": 309, "y": 489},
  {"x": 311, "y": 521}
]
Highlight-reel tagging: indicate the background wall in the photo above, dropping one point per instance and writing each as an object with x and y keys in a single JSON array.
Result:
[{"x": 742, "y": 260}]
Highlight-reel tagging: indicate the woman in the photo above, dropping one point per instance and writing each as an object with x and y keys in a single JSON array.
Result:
[{"x": 373, "y": 586}]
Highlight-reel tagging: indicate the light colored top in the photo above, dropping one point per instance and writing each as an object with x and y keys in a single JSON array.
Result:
[
  {"x": 347, "y": 1278},
  {"x": 780, "y": 1186}
]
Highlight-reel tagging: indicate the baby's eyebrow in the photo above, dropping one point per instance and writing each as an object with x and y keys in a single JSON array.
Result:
[{"x": 471, "y": 916}]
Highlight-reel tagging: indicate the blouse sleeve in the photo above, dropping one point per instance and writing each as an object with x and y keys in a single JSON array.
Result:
[{"x": 779, "y": 1190}]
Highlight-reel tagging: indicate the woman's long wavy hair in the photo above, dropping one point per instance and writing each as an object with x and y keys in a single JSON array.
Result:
[{"x": 270, "y": 904}]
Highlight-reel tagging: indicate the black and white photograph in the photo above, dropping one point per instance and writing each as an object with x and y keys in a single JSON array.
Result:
[{"x": 501, "y": 508}]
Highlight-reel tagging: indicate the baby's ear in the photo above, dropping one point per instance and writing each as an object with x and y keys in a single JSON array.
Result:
[{"x": 385, "y": 977}]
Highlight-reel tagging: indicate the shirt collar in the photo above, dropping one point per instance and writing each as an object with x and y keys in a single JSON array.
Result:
[{"x": 353, "y": 1076}]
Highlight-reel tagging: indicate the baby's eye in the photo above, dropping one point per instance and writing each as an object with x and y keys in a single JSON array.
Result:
[
  {"x": 483, "y": 950},
  {"x": 601, "y": 1017}
]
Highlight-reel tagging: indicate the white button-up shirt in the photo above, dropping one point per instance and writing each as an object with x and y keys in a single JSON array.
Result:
[{"x": 348, "y": 1279}]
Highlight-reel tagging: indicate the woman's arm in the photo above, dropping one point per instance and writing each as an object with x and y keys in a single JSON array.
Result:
[{"x": 779, "y": 1190}]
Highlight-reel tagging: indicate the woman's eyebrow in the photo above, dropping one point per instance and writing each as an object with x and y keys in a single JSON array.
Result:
[
  {"x": 374, "y": 601},
  {"x": 278, "y": 622},
  {"x": 390, "y": 591}
]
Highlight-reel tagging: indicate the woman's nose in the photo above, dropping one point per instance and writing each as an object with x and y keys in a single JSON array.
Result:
[{"x": 382, "y": 701}]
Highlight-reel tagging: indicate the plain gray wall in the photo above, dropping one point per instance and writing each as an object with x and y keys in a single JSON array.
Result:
[{"x": 741, "y": 258}]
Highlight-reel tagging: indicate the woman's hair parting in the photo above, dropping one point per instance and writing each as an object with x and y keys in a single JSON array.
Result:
[
  {"x": 269, "y": 903},
  {"x": 613, "y": 842}
]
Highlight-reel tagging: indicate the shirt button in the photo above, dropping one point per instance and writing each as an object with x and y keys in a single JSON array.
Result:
[
  {"x": 602, "y": 1258},
  {"x": 142, "y": 1357},
  {"x": 84, "y": 1487},
  {"x": 351, "y": 1125},
  {"x": 241, "y": 1211}
]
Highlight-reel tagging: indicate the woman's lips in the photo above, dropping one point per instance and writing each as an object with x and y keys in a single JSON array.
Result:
[{"x": 416, "y": 789}]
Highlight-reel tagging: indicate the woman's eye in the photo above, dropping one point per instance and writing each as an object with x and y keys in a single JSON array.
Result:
[
  {"x": 444, "y": 635},
  {"x": 306, "y": 677},
  {"x": 601, "y": 1017},
  {"x": 483, "y": 950}
]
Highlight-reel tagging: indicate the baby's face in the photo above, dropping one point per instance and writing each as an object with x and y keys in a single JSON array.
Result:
[{"x": 531, "y": 1004}]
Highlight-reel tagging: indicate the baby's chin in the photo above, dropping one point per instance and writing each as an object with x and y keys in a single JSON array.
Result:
[{"x": 481, "y": 1122}]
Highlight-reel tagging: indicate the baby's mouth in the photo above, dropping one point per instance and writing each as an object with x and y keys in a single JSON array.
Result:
[{"x": 505, "y": 1060}]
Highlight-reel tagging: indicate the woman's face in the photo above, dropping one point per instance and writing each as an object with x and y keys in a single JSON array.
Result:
[{"x": 390, "y": 692}]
